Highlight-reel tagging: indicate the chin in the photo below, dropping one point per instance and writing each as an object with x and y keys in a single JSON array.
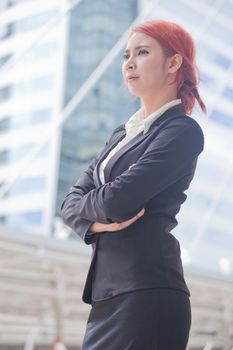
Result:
[{"x": 135, "y": 92}]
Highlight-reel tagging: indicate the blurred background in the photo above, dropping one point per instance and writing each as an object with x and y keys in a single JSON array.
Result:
[{"x": 61, "y": 96}]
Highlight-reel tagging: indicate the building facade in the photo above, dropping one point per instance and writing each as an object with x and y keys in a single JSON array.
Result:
[
  {"x": 58, "y": 47},
  {"x": 94, "y": 29},
  {"x": 30, "y": 98},
  {"x": 36, "y": 87}
]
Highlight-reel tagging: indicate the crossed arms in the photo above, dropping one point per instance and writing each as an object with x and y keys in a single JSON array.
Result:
[{"x": 163, "y": 163}]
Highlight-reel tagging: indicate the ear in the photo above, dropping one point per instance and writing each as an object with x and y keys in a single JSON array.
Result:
[{"x": 174, "y": 63}]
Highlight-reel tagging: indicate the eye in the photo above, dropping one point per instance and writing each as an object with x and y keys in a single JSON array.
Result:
[
  {"x": 142, "y": 52},
  {"x": 125, "y": 56}
]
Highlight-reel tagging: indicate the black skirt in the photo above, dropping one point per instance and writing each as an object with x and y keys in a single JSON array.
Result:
[{"x": 149, "y": 319}]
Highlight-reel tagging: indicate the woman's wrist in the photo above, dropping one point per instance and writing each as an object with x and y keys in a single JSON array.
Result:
[{"x": 96, "y": 227}]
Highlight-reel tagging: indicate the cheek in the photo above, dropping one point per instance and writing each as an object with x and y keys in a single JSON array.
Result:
[
  {"x": 148, "y": 67},
  {"x": 154, "y": 71}
]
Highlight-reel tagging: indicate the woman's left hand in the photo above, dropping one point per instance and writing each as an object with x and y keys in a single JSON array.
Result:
[{"x": 115, "y": 226}]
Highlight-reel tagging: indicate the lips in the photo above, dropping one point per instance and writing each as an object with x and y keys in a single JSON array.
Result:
[{"x": 132, "y": 77}]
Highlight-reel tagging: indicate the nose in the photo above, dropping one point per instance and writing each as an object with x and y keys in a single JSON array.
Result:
[{"x": 130, "y": 64}]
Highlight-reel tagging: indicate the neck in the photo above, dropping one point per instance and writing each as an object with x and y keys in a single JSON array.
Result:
[{"x": 152, "y": 103}]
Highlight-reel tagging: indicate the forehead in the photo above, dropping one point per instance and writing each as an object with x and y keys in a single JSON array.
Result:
[{"x": 139, "y": 39}]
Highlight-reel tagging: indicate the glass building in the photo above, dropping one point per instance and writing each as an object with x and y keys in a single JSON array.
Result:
[
  {"x": 47, "y": 51},
  {"x": 36, "y": 87},
  {"x": 94, "y": 29},
  {"x": 32, "y": 72}
]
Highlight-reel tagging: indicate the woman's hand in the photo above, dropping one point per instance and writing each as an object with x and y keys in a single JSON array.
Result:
[{"x": 99, "y": 227}]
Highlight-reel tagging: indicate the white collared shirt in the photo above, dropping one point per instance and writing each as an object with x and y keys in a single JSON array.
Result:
[{"x": 135, "y": 125}]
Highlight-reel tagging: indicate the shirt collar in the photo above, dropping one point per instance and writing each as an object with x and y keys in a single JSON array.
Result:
[{"x": 143, "y": 124}]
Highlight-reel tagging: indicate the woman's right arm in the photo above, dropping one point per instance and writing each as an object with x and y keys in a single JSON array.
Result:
[
  {"x": 87, "y": 229},
  {"x": 85, "y": 184}
]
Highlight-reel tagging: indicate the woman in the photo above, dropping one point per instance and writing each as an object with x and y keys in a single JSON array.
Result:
[{"x": 126, "y": 202}]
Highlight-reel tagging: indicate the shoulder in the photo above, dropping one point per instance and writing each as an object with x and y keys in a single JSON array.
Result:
[
  {"x": 181, "y": 131},
  {"x": 193, "y": 128},
  {"x": 184, "y": 124},
  {"x": 183, "y": 120},
  {"x": 191, "y": 122}
]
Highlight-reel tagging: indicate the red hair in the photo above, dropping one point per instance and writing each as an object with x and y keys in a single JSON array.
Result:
[{"x": 174, "y": 39}]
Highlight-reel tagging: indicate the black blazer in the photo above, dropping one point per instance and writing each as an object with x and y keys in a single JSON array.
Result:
[{"x": 145, "y": 254}]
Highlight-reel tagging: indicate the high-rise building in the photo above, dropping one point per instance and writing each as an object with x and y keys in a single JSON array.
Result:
[
  {"x": 54, "y": 61},
  {"x": 94, "y": 29},
  {"x": 35, "y": 88},
  {"x": 30, "y": 98}
]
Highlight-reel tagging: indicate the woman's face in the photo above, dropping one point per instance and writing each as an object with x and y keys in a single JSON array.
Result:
[{"x": 145, "y": 68}]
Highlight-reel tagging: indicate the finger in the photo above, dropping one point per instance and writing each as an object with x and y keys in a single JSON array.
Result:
[
  {"x": 132, "y": 220},
  {"x": 131, "y": 165},
  {"x": 141, "y": 212},
  {"x": 120, "y": 226},
  {"x": 135, "y": 218}
]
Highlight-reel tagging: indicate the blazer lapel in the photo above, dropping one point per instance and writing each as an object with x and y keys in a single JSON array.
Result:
[
  {"x": 172, "y": 113},
  {"x": 128, "y": 146},
  {"x": 104, "y": 154}
]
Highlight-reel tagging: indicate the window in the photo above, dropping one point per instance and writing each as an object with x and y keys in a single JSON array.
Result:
[
  {"x": 4, "y": 156},
  {"x": 200, "y": 201},
  {"x": 28, "y": 23},
  {"x": 4, "y": 124},
  {"x": 204, "y": 171},
  {"x": 6, "y": 31},
  {"x": 214, "y": 56},
  {"x": 222, "y": 118},
  {"x": 26, "y": 119},
  {"x": 39, "y": 52},
  {"x": 2, "y": 219},
  {"x": 4, "y": 59},
  {"x": 33, "y": 86},
  {"x": 34, "y": 21},
  {"x": 15, "y": 2},
  {"x": 208, "y": 81},
  {"x": 227, "y": 9},
  {"x": 221, "y": 33},
  {"x": 179, "y": 8},
  {"x": 224, "y": 208},
  {"x": 228, "y": 92},
  {"x": 5, "y": 93},
  {"x": 28, "y": 186},
  {"x": 217, "y": 237},
  {"x": 19, "y": 153},
  {"x": 33, "y": 218}
]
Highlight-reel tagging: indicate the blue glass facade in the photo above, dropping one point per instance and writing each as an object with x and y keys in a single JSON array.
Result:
[{"x": 94, "y": 29}]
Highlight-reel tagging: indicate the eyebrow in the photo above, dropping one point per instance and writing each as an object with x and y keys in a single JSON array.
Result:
[{"x": 138, "y": 47}]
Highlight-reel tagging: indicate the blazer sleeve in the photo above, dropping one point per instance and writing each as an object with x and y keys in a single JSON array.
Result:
[
  {"x": 163, "y": 163},
  {"x": 84, "y": 185}
]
